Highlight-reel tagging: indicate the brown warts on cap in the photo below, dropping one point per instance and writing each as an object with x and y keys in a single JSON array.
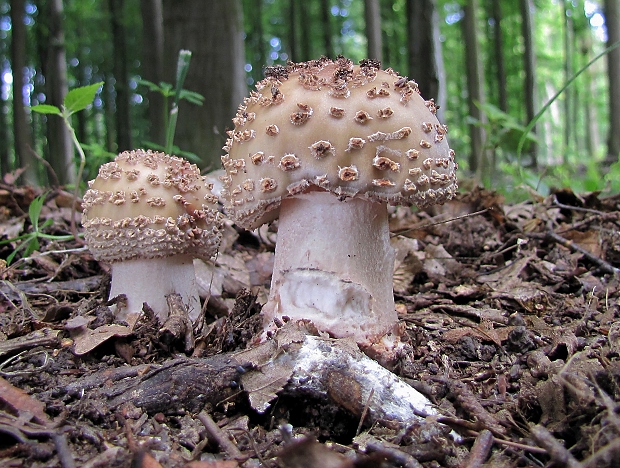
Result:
[
  {"x": 425, "y": 144},
  {"x": 289, "y": 162},
  {"x": 340, "y": 91},
  {"x": 373, "y": 93},
  {"x": 362, "y": 117},
  {"x": 277, "y": 72},
  {"x": 383, "y": 183},
  {"x": 383, "y": 164},
  {"x": 412, "y": 154},
  {"x": 311, "y": 81},
  {"x": 257, "y": 158},
  {"x": 321, "y": 148},
  {"x": 430, "y": 104},
  {"x": 272, "y": 130},
  {"x": 409, "y": 186},
  {"x": 427, "y": 127},
  {"x": 337, "y": 112},
  {"x": 415, "y": 171},
  {"x": 322, "y": 181},
  {"x": 397, "y": 135},
  {"x": 302, "y": 116},
  {"x": 118, "y": 198},
  {"x": 385, "y": 113},
  {"x": 242, "y": 136},
  {"x": 427, "y": 163},
  {"x": 355, "y": 143},
  {"x": 348, "y": 173},
  {"x": 267, "y": 184}
]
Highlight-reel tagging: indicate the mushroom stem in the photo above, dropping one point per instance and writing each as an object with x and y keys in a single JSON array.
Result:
[
  {"x": 150, "y": 280},
  {"x": 334, "y": 266}
]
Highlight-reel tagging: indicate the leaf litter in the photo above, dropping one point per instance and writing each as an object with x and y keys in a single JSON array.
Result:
[{"x": 510, "y": 327}]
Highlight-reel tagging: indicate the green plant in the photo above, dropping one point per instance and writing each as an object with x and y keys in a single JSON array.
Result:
[
  {"x": 76, "y": 100},
  {"x": 177, "y": 93},
  {"x": 570, "y": 81},
  {"x": 29, "y": 242}
]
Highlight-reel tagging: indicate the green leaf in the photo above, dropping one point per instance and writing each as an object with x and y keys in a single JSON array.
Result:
[
  {"x": 79, "y": 98},
  {"x": 46, "y": 109},
  {"x": 34, "y": 211}
]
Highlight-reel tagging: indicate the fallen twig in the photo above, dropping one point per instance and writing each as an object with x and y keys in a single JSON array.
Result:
[{"x": 558, "y": 453}]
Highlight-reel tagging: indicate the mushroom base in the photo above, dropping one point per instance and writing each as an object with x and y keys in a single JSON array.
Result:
[
  {"x": 334, "y": 266},
  {"x": 150, "y": 280}
]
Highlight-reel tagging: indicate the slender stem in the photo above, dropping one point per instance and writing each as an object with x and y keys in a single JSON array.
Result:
[
  {"x": 182, "y": 68},
  {"x": 76, "y": 188}
]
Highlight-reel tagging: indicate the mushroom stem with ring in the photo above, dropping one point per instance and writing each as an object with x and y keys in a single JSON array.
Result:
[
  {"x": 334, "y": 265},
  {"x": 143, "y": 276}
]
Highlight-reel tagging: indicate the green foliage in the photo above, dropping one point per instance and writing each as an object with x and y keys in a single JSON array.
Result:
[
  {"x": 29, "y": 242},
  {"x": 178, "y": 94}
]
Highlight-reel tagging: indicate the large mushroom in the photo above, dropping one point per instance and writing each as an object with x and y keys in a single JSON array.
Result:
[
  {"x": 149, "y": 215},
  {"x": 326, "y": 146}
]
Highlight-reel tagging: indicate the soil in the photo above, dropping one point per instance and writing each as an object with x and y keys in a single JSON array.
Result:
[{"x": 509, "y": 318}]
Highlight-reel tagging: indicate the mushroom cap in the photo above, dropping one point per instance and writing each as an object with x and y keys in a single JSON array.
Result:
[
  {"x": 353, "y": 130},
  {"x": 147, "y": 204}
]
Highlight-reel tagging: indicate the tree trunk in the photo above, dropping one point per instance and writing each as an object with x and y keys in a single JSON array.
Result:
[
  {"x": 305, "y": 43},
  {"x": 568, "y": 72},
  {"x": 498, "y": 47},
  {"x": 372, "y": 15},
  {"x": 215, "y": 37},
  {"x": 478, "y": 163},
  {"x": 529, "y": 62},
  {"x": 424, "y": 50},
  {"x": 5, "y": 137},
  {"x": 21, "y": 126},
  {"x": 121, "y": 77},
  {"x": 55, "y": 71},
  {"x": 292, "y": 30},
  {"x": 612, "y": 21},
  {"x": 328, "y": 45},
  {"x": 153, "y": 64}
]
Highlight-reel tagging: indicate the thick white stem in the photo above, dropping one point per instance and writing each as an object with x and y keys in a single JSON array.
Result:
[
  {"x": 334, "y": 266},
  {"x": 150, "y": 280}
]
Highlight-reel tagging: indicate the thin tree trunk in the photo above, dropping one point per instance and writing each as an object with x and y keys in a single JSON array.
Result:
[
  {"x": 424, "y": 50},
  {"x": 529, "y": 62},
  {"x": 478, "y": 162},
  {"x": 121, "y": 77},
  {"x": 612, "y": 21},
  {"x": 292, "y": 30},
  {"x": 21, "y": 126},
  {"x": 498, "y": 47},
  {"x": 590, "y": 115},
  {"x": 306, "y": 46},
  {"x": 326, "y": 28},
  {"x": 153, "y": 64},
  {"x": 372, "y": 15},
  {"x": 55, "y": 71},
  {"x": 568, "y": 72},
  {"x": 5, "y": 166},
  {"x": 216, "y": 70}
]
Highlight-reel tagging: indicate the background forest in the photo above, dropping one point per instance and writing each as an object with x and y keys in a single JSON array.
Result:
[{"x": 491, "y": 65}]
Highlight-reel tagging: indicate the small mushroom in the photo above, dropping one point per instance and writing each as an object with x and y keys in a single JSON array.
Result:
[
  {"x": 149, "y": 215},
  {"x": 334, "y": 262}
]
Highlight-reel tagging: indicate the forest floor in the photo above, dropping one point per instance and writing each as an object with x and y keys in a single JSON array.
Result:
[{"x": 510, "y": 327}]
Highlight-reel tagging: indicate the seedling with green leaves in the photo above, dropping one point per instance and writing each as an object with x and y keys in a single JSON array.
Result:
[
  {"x": 177, "y": 93},
  {"x": 29, "y": 242},
  {"x": 76, "y": 100}
]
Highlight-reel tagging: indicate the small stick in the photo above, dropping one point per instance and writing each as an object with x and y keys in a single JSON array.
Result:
[
  {"x": 219, "y": 436},
  {"x": 393, "y": 454},
  {"x": 552, "y": 236},
  {"x": 62, "y": 449},
  {"x": 480, "y": 450},
  {"x": 436, "y": 223},
  {"x": 558, "y": 453},
  {"x": 364, "y": 411}
]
